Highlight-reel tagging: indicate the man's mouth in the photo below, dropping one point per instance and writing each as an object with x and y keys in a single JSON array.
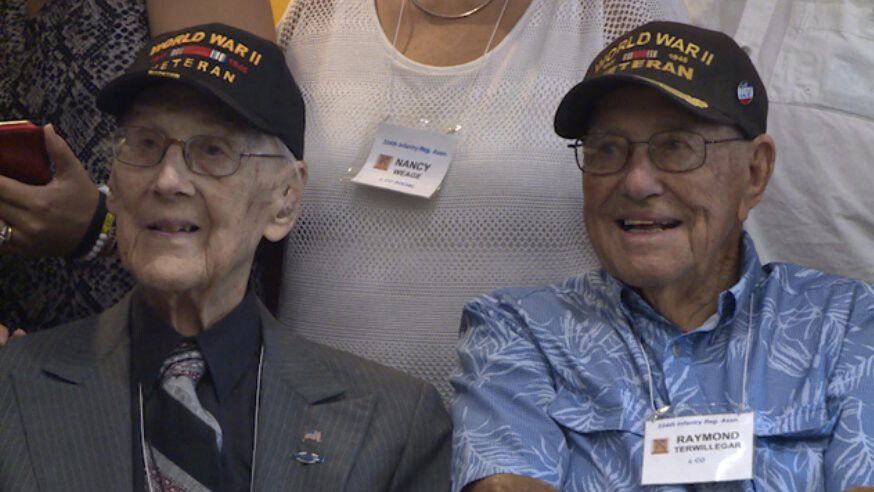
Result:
[
  {"x": 172, "y": 227},
  {"x": 630, "y": 225}
]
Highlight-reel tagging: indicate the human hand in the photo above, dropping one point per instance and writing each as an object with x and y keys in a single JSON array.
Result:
[
  {"x": 49, "y": 220},
  {"x": 4, "y": 334},
  {"x": 505, "y": 482}
]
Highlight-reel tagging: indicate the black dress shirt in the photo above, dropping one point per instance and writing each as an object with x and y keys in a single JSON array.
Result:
[{"x": 231, "y": 350}]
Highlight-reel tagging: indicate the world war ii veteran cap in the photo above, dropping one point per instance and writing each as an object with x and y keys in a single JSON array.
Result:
[
  {"x": 246, "y": 72},
  {"x": 704, "y": 71}
]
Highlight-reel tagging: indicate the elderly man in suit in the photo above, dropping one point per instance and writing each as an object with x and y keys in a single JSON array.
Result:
[{"x": 189, "y": 383}]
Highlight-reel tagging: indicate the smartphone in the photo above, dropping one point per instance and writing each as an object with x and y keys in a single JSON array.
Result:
[{"x": 23, "y": 155}]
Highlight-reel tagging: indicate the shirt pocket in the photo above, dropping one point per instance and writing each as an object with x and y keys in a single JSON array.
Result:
[
  {"x": 826, "y": 57},
  {"x": 805, "y": 422},
  {"x": 617, "y": 411},
  {"x": 794, "y": 440},
  {"x": 603, "y": 437}
]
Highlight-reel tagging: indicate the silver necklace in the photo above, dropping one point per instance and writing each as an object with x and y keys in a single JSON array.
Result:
[
  {"x": 462, "y": 15},
  {"x": 480, "y": 62}
]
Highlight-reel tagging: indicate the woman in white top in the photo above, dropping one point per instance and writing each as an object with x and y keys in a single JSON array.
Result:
[{"x": 384, "y": 274}]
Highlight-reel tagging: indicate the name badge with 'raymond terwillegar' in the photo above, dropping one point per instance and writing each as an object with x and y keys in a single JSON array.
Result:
[{"x": 698, "y": 448}]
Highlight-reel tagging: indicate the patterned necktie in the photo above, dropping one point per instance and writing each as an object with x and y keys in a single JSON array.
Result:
[{"x": 183, "y": 439}]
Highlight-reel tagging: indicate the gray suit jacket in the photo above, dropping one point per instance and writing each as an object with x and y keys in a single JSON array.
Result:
[{"x": 65, "y": 415}]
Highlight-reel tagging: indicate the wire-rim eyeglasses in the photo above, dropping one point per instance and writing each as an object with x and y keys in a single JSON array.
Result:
[
  {"x": 676, "y": 151},
  {"x": 203, "y": 154}
]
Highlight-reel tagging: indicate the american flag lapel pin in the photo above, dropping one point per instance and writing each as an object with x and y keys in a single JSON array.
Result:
[
  {"x": 314, "y": 435},
  {"x": 309, "y": 456}
]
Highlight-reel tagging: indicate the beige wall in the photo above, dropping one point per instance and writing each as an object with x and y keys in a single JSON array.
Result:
[{"x": 278, "y": 9}]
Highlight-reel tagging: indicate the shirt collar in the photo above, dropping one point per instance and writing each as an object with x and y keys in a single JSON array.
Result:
[
  {"x": 730, "y": 302},
  {"x": 227, "y": 347},
  {"x": 230, "y": 345},
  {"x": 735, "y": 299}
]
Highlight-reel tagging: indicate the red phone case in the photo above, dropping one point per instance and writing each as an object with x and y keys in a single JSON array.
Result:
[{"x": 23, "y": 154}]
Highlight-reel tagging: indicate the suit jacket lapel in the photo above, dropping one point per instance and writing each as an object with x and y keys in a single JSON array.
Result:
[
  {"x": 303, "y": 412},
  {"x": 77, "y": 418}
]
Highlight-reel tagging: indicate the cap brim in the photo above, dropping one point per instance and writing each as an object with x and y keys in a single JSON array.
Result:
[
  {"x": 575, "y": 111},
  {"x": 117, "y": 96}
]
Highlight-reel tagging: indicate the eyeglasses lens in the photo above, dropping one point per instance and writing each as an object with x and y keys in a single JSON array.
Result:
[
  {"x": 603, "y": 154},
  {"x": 139, "y": 146},
  {"x": 677, "y": 151},
  {"x": 211, "y": 155}
]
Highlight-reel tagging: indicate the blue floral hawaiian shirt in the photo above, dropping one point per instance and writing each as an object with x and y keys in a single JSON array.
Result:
[{"x": 554, "y": 382}]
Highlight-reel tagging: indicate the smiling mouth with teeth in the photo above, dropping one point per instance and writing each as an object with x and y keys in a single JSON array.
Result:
[{"x": 647, "y": 225}]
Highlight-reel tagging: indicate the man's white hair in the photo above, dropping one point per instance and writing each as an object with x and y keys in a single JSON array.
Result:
[{"x": 261, "y": 142}]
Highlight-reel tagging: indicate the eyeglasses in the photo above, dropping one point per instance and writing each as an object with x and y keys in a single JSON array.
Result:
[
  {"x": 673, "y": 151},
  {"x": 204, "y": 154}
]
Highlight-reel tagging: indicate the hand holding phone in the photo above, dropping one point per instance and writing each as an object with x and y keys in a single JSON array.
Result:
[
  {"x": 49, "y": 219},
  {"x": 23, "y": 154}
]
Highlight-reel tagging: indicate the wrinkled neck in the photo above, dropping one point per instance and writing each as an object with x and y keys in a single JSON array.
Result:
[
  {"x": 690, "y": 302},
  {"x": 193, "y": 312}
]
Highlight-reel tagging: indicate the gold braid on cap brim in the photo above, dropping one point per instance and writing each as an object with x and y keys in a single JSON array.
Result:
[{"x": 694, "y": 101}]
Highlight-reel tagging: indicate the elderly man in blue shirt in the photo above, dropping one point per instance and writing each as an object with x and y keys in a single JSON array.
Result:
[{"x": 684, "y": 363}]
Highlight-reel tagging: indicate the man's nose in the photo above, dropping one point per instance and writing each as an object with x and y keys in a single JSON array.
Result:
[
  {"x": 173, "y": 173},
  {"x": 641, "y": 178}
]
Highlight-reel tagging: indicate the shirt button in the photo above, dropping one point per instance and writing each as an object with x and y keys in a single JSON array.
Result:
[{"x": 677, "y": 350}]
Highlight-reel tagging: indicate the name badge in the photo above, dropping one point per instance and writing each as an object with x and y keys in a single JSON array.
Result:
[
  {"x": 702, "y": 448},
  {"x": 407, "y": 160}
]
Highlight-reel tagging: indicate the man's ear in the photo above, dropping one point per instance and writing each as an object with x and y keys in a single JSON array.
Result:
[
  {"x": 286, "y": 202},
  {"x": 760, "y": 167}
]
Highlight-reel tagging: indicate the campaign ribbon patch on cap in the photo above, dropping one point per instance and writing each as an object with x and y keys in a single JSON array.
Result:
[
  {"x": 745, "y": 92},
  {"x": 640, "y": 54}
]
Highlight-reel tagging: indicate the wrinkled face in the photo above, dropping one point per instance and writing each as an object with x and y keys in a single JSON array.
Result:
[
  {"x": 179, "y": 231},
  {"x": 653, "y": 229}
]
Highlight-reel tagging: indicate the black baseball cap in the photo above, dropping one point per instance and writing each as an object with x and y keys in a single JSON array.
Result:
[
  {"x": 704, "y": 71},
  {"x": 244, "y": 71}
]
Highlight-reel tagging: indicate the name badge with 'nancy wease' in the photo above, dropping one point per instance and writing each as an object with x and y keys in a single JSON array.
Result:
[
  {"x": 698, "y": 448},
  {"x": 407, "y": 160}
]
